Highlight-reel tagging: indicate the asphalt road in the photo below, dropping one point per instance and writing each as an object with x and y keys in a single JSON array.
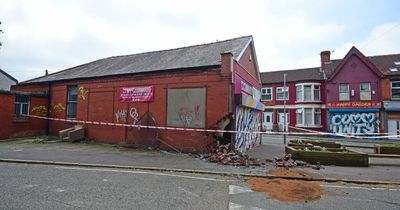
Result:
[{"x": 26, "y": 186}]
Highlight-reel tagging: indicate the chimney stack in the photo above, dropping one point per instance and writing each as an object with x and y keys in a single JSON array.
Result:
[{"x": 325, "y": 59}]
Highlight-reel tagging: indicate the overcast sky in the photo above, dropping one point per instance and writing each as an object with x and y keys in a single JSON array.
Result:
[{"x": 288, "y": 34}]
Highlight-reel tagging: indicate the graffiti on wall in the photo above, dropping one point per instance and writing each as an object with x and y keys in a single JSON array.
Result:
[
  {"x": 354, "y": 123},
  {"x": 247, "y": 120},
  {"x": 186, "y": 107},
  {"x": 122, "y": 115},
  {"x": 43, "y": 110},
  {"x": 82, "y": 92},
  {"x": 189, "y": 117}
]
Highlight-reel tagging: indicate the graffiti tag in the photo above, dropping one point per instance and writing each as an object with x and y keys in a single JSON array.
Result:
[
  {"x": 355, "y": 123},
  {"x": 189, "y": 117},
  {"x": 121, "y": 115}
]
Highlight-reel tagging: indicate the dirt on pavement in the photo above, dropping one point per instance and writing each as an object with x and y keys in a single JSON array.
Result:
[{"x": 287, "y": 190}]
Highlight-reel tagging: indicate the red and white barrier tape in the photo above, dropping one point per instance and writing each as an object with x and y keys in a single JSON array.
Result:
[
  {"x": 352, "y": 135},
  {"x": 311, "y": 132}
]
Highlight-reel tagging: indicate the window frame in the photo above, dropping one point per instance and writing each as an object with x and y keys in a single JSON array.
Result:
[
  {"x": 68, "y": 102},
  {"x": 362, "y": 92},
  {"x": 347, "y": 93},
  {"x": 17, "y": 114},
  {"x": 396, "y": 88},
  {"x": 285, "y": 93},
  {"x": 314, "y": 111},
  {"x": 266, "y": 93},
  {"x": 300, "y": 88}
]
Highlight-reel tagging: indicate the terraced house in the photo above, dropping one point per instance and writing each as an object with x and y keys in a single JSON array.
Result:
[{"x": 354, "y": 95}]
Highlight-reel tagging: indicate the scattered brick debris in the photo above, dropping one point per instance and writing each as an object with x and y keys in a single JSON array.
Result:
[
  {"x": 288, "y": 162},
  {"x": 287, "y": 190},
  {"x": 222, "y": 154}
]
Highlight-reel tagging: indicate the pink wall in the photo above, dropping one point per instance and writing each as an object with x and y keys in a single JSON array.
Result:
[{"x": 354, "y": 72}]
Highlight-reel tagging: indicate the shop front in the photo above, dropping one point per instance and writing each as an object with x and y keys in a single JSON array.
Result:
[
  {"x": 392, "y": 118},
  {"x": 354, "y": 118}
]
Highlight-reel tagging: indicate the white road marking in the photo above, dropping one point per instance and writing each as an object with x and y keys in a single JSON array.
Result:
[
  {"x": 105, "y": 180},
  {"x": 18, "y": 150},
  {"x": 357, "y": 187},
  {"x": 145, "y": 172},
  {"x": 234, "y": 189},
  {"x": 235, "y": 206}
]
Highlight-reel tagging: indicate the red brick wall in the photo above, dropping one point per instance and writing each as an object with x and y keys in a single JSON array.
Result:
[
  {"x": 11, "y": 127},
  {"x": 102, "y": 101},
  {"x": 386, "y": 89},
  {"x": 247, "y": 61}
]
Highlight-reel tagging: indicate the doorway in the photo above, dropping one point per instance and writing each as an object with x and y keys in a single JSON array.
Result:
[{"x": 268, "y": 123}]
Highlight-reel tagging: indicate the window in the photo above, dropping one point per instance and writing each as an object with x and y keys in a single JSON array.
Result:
[
  {"x": 317, "y": 93},
  {"x": 308, "y": 117},
  {"x": 282, "y": 93},
  {"x": 307, "y": 92},
  {"x": 299, "y": 93},
  {"x": 21, "y": 106},
  {"x": 395, "y": 89},
  {"x": 266, "y": 94},
  {"x": 365, "y": 91},
  {"x": 344, "y": 92},
  {"x": 317, "y": 116},
  {"x": 299, "y": 116},
  {"x": 72, "y": 101}
]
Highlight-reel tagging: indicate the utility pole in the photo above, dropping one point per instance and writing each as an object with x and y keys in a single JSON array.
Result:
[{"x": 284, "y": 108}]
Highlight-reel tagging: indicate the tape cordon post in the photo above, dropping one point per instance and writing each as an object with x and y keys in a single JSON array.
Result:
[{"x": 307, "y": 131}]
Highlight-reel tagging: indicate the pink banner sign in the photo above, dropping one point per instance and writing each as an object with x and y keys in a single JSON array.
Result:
[
  {"x": 136, "y": 94},
  {"x": 242, "y": 86}
]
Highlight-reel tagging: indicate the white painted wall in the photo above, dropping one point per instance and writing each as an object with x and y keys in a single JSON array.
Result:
[{"x": 5, "y": 82}]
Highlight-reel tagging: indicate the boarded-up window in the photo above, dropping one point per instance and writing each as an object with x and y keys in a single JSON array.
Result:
[{"x": 186, "y": 107}]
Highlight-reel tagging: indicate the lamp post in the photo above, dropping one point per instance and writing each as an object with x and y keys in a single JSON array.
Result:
[{"x": 284, "y": 108}]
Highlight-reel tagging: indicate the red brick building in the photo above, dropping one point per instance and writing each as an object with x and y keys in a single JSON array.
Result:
[
  {"x": 13, "y": 108},
  {"x": 192, "y": 87}
]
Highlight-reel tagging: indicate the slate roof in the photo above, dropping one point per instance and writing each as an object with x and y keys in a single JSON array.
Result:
[
  {"x": 174, "y": 59},
  {"x": 292, "y": 75},
  {"x": 382, "y": 62},
  {"x": 9, "y": 76}
]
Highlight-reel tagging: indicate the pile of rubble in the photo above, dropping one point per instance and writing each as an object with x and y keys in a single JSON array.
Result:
[
  {"x": 288, "y": 162},
  {"x": 224, "y": 155}
]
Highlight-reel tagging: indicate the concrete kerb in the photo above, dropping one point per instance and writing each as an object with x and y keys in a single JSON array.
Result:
[{"x": 246, "y": 175}]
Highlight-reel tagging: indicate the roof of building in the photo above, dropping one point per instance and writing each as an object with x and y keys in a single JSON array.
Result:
[
  {"x": 382, "y": 62},
  {"x": 292, "y": 75},
  {"x": 9, "y": 76},
  {"x": 173, "y": 59}
]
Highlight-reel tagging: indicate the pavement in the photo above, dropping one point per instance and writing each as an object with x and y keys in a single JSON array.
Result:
[{"x": 380, "y": 169}]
